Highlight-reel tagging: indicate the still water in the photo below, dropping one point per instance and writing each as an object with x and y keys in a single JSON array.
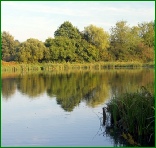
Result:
[{"x": 63, "y": 109}]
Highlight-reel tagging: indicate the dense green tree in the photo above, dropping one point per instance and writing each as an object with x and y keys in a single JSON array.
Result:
[
  {"x": 7, "y": 46},
  {"x": 86, "y": 52},
  {"x": 17, "y": 44},
  {"x": 133, "y": 37},
  {"x": 67, "y": 30},
  {"x": 48, "y": 42},
  {"x": 133, "y": 40},
  {"x": 62, "y": 49},
  {"x": 31, "y": 51},
  {"x": 147, "y": 33},
  {"x": 119, "y": 39},
  {"x": 96, "y": 36},
  {"x": 99, "y": 38},
  {"x": 132, "y": 43}
]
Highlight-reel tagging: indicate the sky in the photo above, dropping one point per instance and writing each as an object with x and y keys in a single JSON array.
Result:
[{"x": 40, "y": 19}]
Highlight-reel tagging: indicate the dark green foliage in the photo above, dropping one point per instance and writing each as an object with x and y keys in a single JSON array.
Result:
[
  {"x": 119, "y": 39},
  {"x": 61, "y": 49},
  {"x": 147, "y": 33},
  {"x": 67, "y": 30},
  {"x": 8, "y": 46},
  {"x": 86, "y": 52}
]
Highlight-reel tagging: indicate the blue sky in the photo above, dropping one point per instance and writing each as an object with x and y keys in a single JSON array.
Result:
[{"x": 39, "y": 20}]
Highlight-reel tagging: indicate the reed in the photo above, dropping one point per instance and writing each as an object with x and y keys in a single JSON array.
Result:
[
  {"x": 149, "y": 64},
  {"x": 133, "y": 113},
  {"x": 12, "y": 66}
]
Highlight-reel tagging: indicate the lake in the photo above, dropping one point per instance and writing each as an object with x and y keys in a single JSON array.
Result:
[{"x": 63, "y": 108}]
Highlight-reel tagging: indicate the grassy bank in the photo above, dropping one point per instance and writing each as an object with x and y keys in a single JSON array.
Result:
[
  {"x": 14, "y": 67},
  {"x": 133, "y": 114}
]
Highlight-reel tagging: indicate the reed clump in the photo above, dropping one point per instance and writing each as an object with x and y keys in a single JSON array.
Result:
[{"x": 133, "y": 113}]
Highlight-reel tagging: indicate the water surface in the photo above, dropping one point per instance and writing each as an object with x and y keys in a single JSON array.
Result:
[{"x": 63, "y": 109}]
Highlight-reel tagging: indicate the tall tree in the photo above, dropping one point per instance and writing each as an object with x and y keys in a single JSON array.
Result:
[
  {"x": 86, "y": 52},
  {"x": 67, "y": 30},
  {"x": 132, "y": 43},
  {"x": 133, "y": 40},
  {"x": 62, "y": 49},
  {"x": 7, "y": 46},
  {"x": 97, "y": 37},
  {"x": 120, "y": 40},
  {"x": 147, "y": 33},
  {"x": 31, "y": 51}
]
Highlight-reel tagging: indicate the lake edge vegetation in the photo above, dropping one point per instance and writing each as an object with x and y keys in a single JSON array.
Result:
[
  {"x": 16, "y": 67},
  {"x": 132, "y": 116}
]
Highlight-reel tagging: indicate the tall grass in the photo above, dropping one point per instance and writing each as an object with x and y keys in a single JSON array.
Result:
[
  {"x": 8, "y": 66},
  {"x": 133, "y": 113}
]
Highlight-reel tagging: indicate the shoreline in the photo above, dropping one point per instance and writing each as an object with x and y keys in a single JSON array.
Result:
[{"x": 15, "y": 67}]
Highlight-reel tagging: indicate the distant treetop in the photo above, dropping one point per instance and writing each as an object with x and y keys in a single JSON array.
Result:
[{"x": 67, "y": 30}]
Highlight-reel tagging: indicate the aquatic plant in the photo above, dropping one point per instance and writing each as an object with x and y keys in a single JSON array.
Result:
[{"x": 133, "y": 113}]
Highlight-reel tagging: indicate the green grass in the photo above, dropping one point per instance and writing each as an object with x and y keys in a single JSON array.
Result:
[{"x": 133, "y": 113}]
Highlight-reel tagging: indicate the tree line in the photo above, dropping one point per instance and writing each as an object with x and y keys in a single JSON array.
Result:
[{"x": 93, "y": 44}]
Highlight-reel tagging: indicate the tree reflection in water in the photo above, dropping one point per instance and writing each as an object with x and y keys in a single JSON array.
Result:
[{"x": 70, "y": 88}]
